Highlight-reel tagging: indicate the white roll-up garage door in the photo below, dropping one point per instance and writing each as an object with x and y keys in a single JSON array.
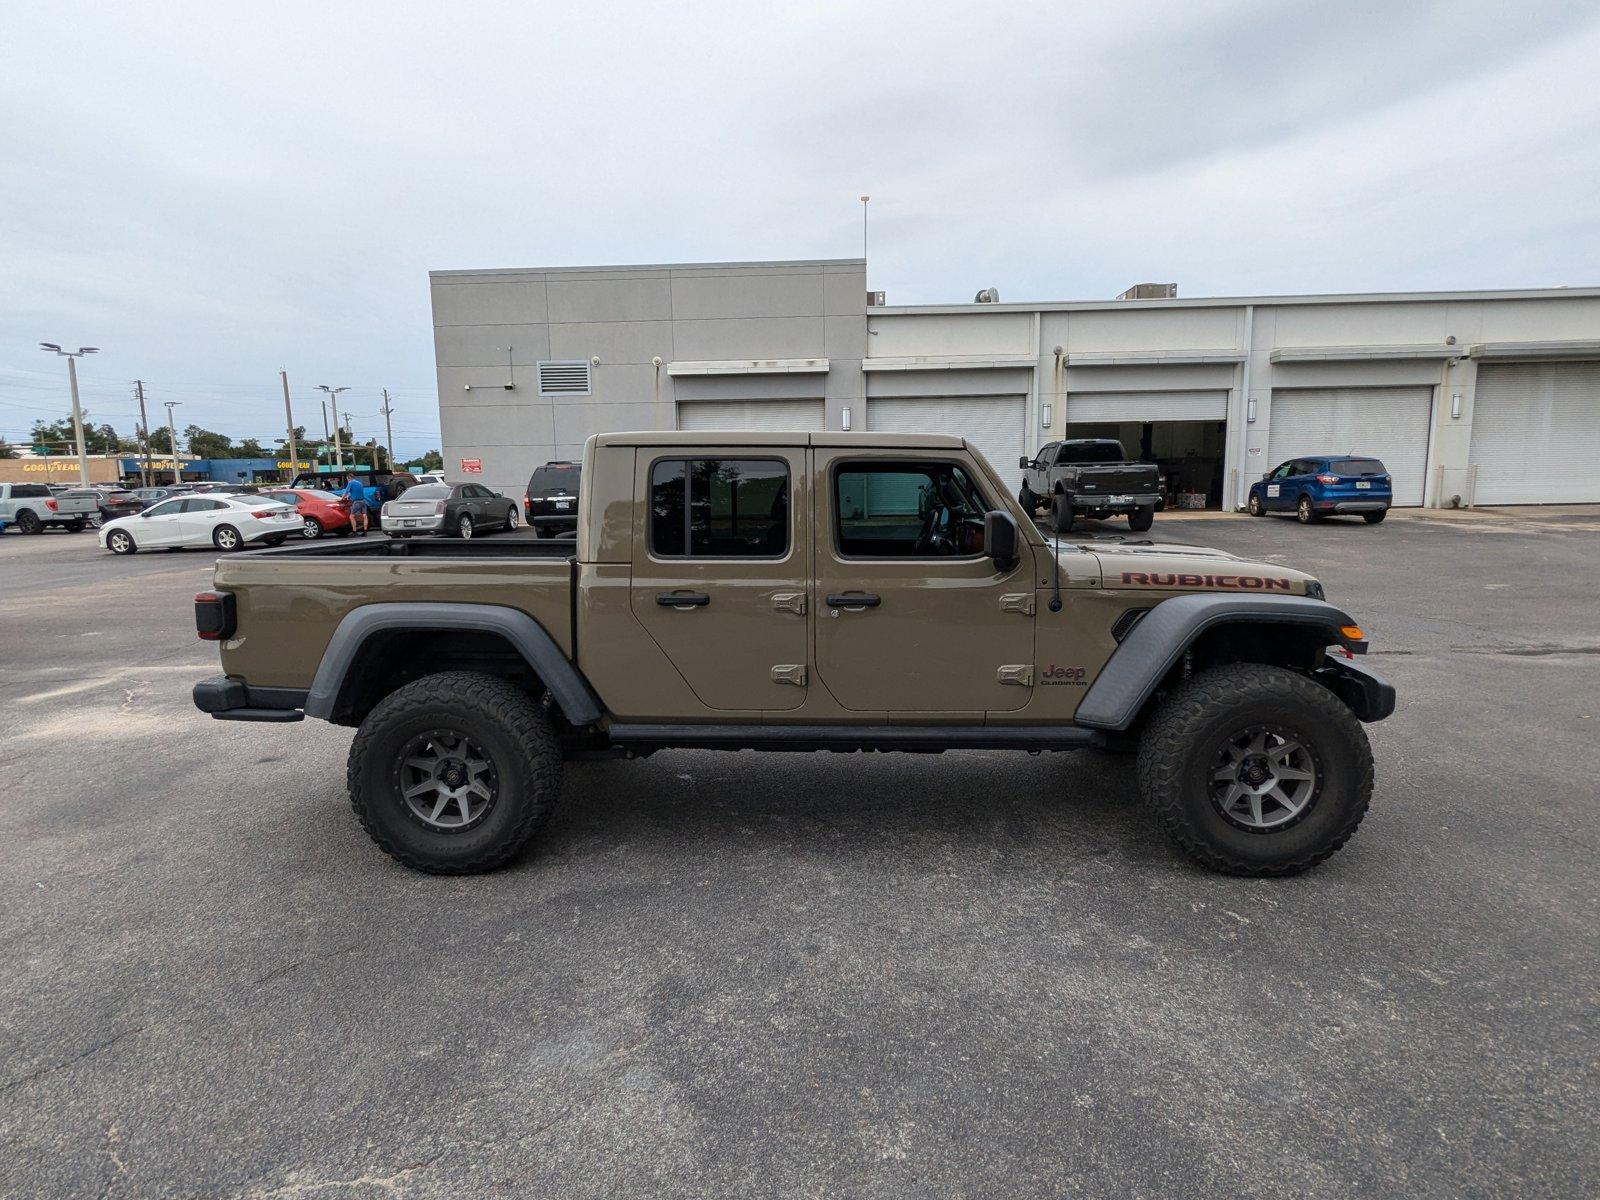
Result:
[
  {"x": 1100, "y": 407},
  {"x": 1388, "y": 423},
  {"x": 996, "y": 425},
  {"x": 778, "y": 416},
  {"x": 1536, "y": 433}
]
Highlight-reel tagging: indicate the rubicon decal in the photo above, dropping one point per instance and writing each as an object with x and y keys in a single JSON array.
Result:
[{"x": 1250, "y": 583}]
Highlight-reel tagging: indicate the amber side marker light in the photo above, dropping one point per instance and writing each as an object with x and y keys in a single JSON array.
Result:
[{"x": 1354, "y": 640}]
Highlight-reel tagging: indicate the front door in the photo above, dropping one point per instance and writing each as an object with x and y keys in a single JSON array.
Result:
[
  {"x": 160, "y": 525},
  {"x": 912, "y": 617},
  {"x": 719, "y": 573}
]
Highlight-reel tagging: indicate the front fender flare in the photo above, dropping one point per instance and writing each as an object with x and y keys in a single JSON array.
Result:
[
  {"x": 1155, "y": 645},
  {"x": 568, "y": 687}
]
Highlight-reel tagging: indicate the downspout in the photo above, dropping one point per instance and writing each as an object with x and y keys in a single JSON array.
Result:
[{"x": 1239, "y": 484}]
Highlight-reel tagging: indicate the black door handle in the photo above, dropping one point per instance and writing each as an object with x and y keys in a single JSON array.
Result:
[
  {"x": 682, "y": 599},
  {"x": 865, "y": 600}
]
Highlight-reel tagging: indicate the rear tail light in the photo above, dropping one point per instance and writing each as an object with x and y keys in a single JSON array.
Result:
[
  {"x": 262, "y": 514},
  {"x": 1327, "y": 479},
  {"x": 214, "y": 616},
  {"x": 438, "y": 508},
  {"x": 50, "y": 504}
]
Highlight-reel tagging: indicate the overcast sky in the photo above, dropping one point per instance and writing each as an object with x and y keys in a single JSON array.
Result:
[{"x": 210, "y": 192}]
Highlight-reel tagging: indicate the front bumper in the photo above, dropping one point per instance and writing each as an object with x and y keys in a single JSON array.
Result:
[
  {"x": 1370, "y": 697},
  {"x": 431, "y": 524},
  {"x": 229, "y": 699}
]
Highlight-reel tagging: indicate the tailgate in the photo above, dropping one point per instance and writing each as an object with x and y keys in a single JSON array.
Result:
[
  {"x": 76, "y": 505},
  {"x": 1117, "y": 480}
]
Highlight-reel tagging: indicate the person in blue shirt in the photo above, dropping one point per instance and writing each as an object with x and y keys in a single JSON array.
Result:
[{"x": 357, "y": 495}]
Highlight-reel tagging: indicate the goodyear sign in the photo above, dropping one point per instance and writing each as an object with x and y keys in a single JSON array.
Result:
[{"x": 286, "y": 465}]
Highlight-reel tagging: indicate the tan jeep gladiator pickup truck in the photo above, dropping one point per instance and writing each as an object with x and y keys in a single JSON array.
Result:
[{"x": 806, "y": 591}]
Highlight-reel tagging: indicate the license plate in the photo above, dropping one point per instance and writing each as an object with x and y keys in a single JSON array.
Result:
[
  {"x": 563, "y": 503},
  {"x": 409, "y": 524},
  {"x": 1119, "y": 499},
  {"x": 1363, "y": 484}
]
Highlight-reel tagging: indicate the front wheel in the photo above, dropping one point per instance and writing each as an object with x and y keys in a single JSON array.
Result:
[
  {"x": 455, "y": 773},
  {"x": 1375, "y": 518},
  {"x": 1255, "y": 770},
  {"x": 1061, "y": 514},
  {"x": 1142, "y": 518},
  {"x": 1303, "y": 511},
  {"x": 120, "y": 541},
  {"x": 1028, "y": 501},
  {"x": 1255, "y": 506}
]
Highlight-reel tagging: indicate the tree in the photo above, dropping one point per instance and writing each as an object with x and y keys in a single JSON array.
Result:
[
  {"x": 58, "y": 436},
  {"x": 160, "y": 441},
  {"x": 432, "y": 460},
  {"x": 250, "y": 448},
  {"x": 205, "y": 443},
  {"x": 7, "y": 450}
]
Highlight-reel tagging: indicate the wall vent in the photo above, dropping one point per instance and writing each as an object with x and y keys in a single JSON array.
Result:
[{"x": 566, "y": 378}]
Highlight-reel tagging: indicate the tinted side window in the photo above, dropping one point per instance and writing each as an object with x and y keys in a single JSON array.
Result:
[
  {"x": 907, "y": 510},
  {"x": 29, "y": 491},
  {"x": 201, "y": 505},
  {"x": 719, "y": 508},
  {"x": 167, "y": 508}
]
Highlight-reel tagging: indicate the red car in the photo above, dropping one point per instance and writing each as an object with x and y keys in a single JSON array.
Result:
[{"x": 320, "y": 512}]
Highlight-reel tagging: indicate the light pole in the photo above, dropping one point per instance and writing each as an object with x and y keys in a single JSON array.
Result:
[
  {"x": 72, "y": 357},
  {"x": 172, "y": 433},
  {"x": 333, "y": 400},
  {"x": 864, "y": 200},
  {"x": 288, "y": 415}
]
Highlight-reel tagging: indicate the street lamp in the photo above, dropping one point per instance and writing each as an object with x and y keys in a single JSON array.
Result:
[
  {"x": 333, "y": 399},
  {"x": 172, "y": 433},
  {"x": 72, "y": 357}
]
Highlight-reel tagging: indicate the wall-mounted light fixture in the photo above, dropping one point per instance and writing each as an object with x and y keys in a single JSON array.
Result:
[
  {"x": 1250, "y": 410},
  {"x": 1044, "y": 416},
  {"x": 844, "y": 419},
  {"x": 1455, "y": 406}
]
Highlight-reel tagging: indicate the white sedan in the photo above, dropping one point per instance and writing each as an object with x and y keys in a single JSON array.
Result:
[{"x": 225, "y": 522}]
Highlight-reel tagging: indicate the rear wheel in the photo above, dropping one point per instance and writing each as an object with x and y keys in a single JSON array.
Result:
[
  {"x": 311, "y": 529},
  {"x": 120, "y": 541},
  {"x": 276, "y": 539},
  {"x": 1255, "y": 770},
  {"x": 1061, "y": 514},
  {"x": 512, "y": 520},
  {"x": 1303, "y": 511},
  {"x": 226, "y": 538},
  {"x": 1142, "y": 518},
  {"x": 1375, "y": 518},
  {"x": 454, "y": 774},
  {"x": 96, "y": 520}
]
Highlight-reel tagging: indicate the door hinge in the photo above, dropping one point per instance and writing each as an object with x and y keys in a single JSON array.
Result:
[
  {"x": 1017, "y": 602},
  {"x": 794, "y": 673},
  {"x": 794, "y": 602},
  {"x": 1021, "y": 675}
]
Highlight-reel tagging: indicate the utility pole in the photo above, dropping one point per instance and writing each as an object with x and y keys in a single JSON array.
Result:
[
  {"x": 288, "y": 415},
  {"x": 333, "y": 402},
  {"x": 388, "y": 429},
  {"x": 864, "y": 200},
  {"x": 172, "y": 432},
  {"x": 144, "y": 436},
  {"x": 72, "y": 357}
]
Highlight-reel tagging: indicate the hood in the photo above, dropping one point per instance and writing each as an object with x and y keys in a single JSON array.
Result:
[{"x": 1163, "y": 567}]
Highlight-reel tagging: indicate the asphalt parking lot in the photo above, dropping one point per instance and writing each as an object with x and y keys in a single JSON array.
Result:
[{"x": 820, "y": 975}]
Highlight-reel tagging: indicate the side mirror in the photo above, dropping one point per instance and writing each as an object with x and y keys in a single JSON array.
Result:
[
  {"x": 1025, "y": 463},
  {"x": 1267, "y": 475},
  {"x": 1000, "y": 539}
]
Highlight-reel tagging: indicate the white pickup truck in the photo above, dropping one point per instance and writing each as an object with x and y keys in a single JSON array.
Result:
[{"x": 32, "y": 506}]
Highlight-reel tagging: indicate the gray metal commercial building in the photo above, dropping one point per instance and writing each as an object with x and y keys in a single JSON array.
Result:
[{"x": 1488, "y": 397}]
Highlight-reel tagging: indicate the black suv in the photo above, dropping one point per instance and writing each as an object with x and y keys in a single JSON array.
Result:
[{"x": 551, "y": 505}]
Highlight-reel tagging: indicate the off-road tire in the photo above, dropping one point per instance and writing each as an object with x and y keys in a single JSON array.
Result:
[
  {"x": 1254, "y": 506},
  {"x": 1176, "y": 758},
  {"x": 511, "y": 729},
  {"x": 1375, "y": 518},
  {"x": 120, "y": 541},
  {"x": 1028, "y": 501},
  {"x": 28, "y": 522},
  {"x": 1304, "y": 513},
  {"x": 1061, "y": 513},
  {"x": 1141, "y": 518},
  {"x": 224, "y": 534}
]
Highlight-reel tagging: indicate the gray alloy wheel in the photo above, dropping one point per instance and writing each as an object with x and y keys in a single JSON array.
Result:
[
  {"x": 28, "y": 521},
  {"x": 120, "y": 541},
  {"x": 1263, "y": 779},
  {"x": 464, "y": 526},
  {"x": 311, "y": 529},
  {"x": 1303, "y": 511},
  {"x": 512, "y": 520},
  {"x": 448, "y": 783},
  {"x": 227, "y": 538},
  {"x": 1255, "y": 506},
  {"x": 96, "y": 520}
]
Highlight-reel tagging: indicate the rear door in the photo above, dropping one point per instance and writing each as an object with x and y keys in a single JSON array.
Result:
[
  {"x": 720, "y": 573},
  {"x": 200, "y": 518}
]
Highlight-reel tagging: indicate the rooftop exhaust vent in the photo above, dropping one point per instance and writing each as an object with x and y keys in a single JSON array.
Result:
[
  {"x": 1151, "y": 291},
  {"x": 987, "y": 296}
]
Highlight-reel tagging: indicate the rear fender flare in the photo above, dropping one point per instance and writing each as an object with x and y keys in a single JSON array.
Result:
[
  {"x": 1157, "y": 643},
  {"x": 567, "y": 686}
]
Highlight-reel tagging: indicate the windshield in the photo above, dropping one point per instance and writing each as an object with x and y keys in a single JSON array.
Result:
[
  {"x": 1357, "y": 466},
  {"x": 1091, "y": 452},
  {"x": 549, "y": 480},
  {"x": 428, "y": 491}
]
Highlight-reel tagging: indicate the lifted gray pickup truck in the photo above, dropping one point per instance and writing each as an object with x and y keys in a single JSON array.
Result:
[
  {"x": 802, "y": 592},
  {"x": 1090, "y": 477}
]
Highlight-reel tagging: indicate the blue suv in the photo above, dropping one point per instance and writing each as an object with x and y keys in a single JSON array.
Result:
[{"x": 1324, "y": 485}]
